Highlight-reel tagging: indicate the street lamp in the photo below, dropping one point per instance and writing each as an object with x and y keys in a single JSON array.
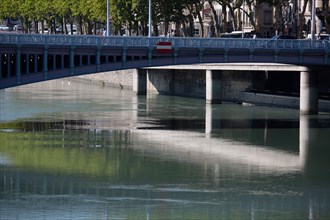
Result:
[
  {"x": 313, "y": 21},
  {"x": 242, "y": 19},
  {"x": 108, "y": 19},
  {"x": 149, "y": 20}
]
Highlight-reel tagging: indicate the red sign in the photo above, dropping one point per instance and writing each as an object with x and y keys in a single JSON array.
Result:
[{"x": 164, "y": 47}]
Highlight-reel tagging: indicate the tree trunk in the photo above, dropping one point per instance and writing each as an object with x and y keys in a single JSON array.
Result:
[
  {"x": 201, "y": 24},
  {"x": 302, "y": 19},
  {"x": 232, "y": 12},
  {"x": 191, "y": 25},
  {"x": 215, "y": 19},
  {"x": 224, "y": 18}
]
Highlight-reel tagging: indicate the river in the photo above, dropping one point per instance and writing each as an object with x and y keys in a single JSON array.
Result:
[{"x": 70, "y": 150}]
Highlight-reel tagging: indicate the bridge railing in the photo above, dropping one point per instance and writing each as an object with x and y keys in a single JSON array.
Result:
[{"x": 177, "y": 42}]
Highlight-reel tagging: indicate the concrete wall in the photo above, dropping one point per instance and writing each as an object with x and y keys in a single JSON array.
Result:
[
  {"x": 186, "y": 83},
  {"x": 122, "y": 79},
  {"x": 192, "y": 83},
  {"x": 177, "y": 82}
]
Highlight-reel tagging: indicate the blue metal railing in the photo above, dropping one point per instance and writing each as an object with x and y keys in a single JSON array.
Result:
[{"x": 177, "y": 42}]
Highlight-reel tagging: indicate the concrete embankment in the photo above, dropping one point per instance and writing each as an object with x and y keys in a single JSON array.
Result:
[{"x": 122, "y": 79}]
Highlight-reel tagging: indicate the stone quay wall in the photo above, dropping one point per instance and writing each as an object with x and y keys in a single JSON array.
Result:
[
  {"x": 185, "y": 83},
  {"x": 122, "y": 79}
]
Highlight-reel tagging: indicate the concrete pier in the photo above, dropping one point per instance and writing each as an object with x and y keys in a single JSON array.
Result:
[
  {"x": 213, "y": 86},
  {"x": 140, "y": 81},
  {"x": 308, "y": 92}
]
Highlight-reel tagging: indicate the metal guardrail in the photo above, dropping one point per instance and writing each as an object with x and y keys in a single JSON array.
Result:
[{"x": 177, "y": 42}]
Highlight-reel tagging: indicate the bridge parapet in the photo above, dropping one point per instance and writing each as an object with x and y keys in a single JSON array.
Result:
[{"x": 225, "y": 43}]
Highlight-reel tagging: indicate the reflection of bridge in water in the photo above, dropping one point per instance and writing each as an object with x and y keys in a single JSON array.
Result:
[
  {"x": 205, "y": 145},
  {"x": 212, "y": 153}
]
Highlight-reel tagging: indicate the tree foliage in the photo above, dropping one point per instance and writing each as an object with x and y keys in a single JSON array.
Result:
[{"x": 90, "y": 15}]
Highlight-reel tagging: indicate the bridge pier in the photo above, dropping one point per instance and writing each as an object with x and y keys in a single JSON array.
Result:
[
  {"x": 45, "y": 63},
  {"x": 0, "y": 66},
  {"x": 213, "y": 87},
  {"x": 140, "y": 81},
  {"x": 35, "y": 63},
  {"x": 18, "y": 64},
  {"x": 308, "y": 92}
]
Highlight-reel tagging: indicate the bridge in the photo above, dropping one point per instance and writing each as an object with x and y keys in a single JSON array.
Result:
[{"x": 29, "y": 58}]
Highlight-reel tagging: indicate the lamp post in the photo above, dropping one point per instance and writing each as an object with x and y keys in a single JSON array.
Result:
[
  {"x": 242, "y": 19},
  {"x": 108, "y": 19},
  {"x": 313, "y": 21},
  {"x": 149, "y": 20}
]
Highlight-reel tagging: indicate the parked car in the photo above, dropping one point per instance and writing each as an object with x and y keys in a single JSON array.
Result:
[
  {"x": 323, "y": 37},
  {"x": 319, "y": 37},
  {"x": 46, "y": 31},
  {"x": 5, "y": 28}
]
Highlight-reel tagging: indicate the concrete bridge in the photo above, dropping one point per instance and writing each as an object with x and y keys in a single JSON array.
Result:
[{"x": 28, "y": 59}]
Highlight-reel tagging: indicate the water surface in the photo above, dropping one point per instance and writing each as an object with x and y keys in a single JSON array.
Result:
[{"x": 70, "y": 150}]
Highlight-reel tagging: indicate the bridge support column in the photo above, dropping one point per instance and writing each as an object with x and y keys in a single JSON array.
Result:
[
  {"x": 210, "y": 123},
  {"x": 307, "y": 137},
  {"x": 18, "y": 64},
  {"x": 62, "y": 61},
  {"x": 98, "y": 59},
  {"x": 45, "y": 63},
  {"x": 35, "y": 56},
  {"x": 0, "y": 65},
  {"x": 139, "y": 82},
  {"x": 213, "y": 87},
  {"x": 309, "y": 92},
  {"x": 124, "y": 56},
  {"x": 8, "y": 65},
  {"x": 27, "y": 64},
  {"x": 54, "y": 62},
  {"x": 72, "y": 60}
]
